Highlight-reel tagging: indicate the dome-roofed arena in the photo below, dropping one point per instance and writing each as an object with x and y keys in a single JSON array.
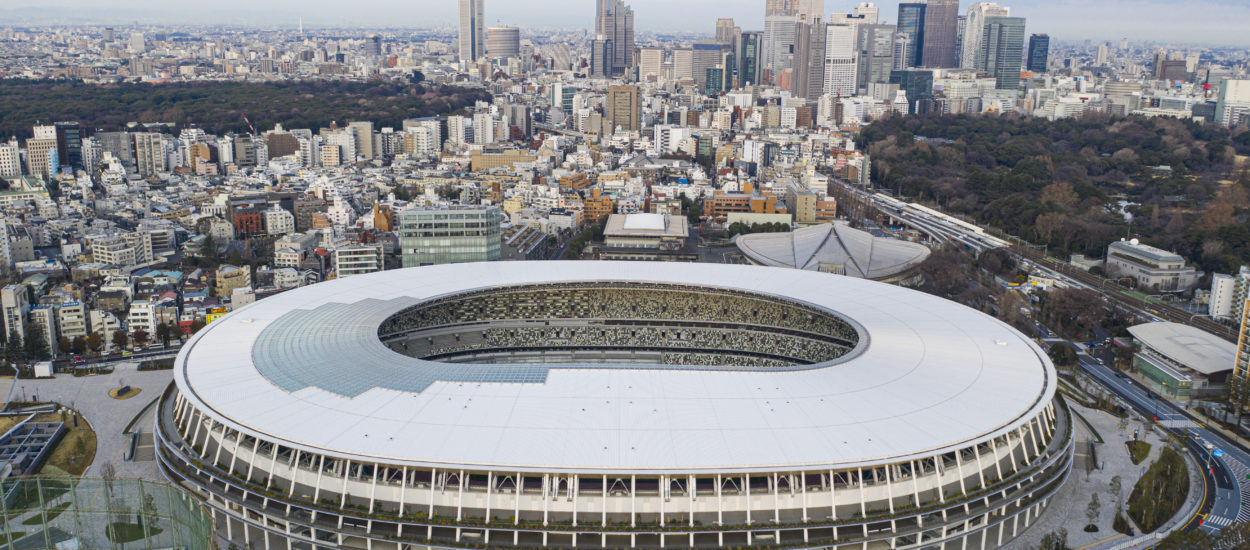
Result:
[{"x": 610, "y": 404}]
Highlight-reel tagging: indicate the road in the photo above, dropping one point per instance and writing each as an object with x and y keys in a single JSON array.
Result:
[{"x": 1228, "y": 477}]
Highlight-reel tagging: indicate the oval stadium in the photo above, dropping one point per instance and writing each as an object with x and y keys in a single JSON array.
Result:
[{"x": 613, "y": 405}]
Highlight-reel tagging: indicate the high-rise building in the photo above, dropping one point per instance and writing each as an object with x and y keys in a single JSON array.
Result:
[
  {"x": 373, "y": 46},
  {"x": 867, "y": 12},
  {"x": 623, "y": 108},
  {"x": 840, "y": 69},
  {"x": 1039, "y": 52},
  {"x": 41, "y": 157},
  {"x": 615, "y": 22},
  {"x": 601, "y": 52},
  {"x": 362, "y": 132},
  {"x": 1100, "y": 56},
  {"x": 778, "y": 48},
  {"x": 875, "y": 55},
  {"x": 940, "y": 20},
  {"x": 725, "y": 30},
  {"x": 1002, "y": 43},
  {"x": 10, "y": 159},
  {"x": 430, "y": 236},
  {"x": 503, "y": 42},
  {"x": 916, "y": 84},
  {"x": 150, "y": 153},
  {"x": 650, "y": 62},
  {"x": 137, "y": 43},
  {"x": 1233, "y": 106},
  {"x": 472, "y": 29},
  {"x": 974, "y": 27},
  {"x": 683, "y": 64},
  {"x": 707, "y": 55},
  {"x": 69, "y": 144},
  {"x": 809, "y": 60},
  {"x": 911, "y": 29},
  {"x": 749, "y": 58}
]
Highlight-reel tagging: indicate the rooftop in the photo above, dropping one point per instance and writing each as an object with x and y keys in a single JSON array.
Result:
[
  {"x": 861, "y": 254},
  {"x": 932, "y": 375},
  {"x": 1196, "y": 349}
]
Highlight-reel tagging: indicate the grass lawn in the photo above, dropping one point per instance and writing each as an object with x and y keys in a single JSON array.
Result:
[
  {"x": 15, "y": 535},
  {"x": 69, "y": 455},
  {"x": 7, "y": 422},
  {"x": 115, "y": 393},
  {"x": 121, "y": 533},
  {"x": 52, "y": 512},
  {"x": 1138, "y": 450}
]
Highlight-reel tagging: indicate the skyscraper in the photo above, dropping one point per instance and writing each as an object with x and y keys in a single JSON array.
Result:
[
  {"x": 623, "y": 108},
  {"x": 840, "y": 70},
  {"x": 502, "y": 41},
  {"x": 868, "y": 11},
  {"x": 1002, "y": 43},
  {"x": 725, "y": 30},
  {"x": 707, "y": 55},
  {"x": 809, "y": 60},
  {"x": 974, "y": 26},
  {"x": 601, "y": 52},
  {"x": 777, "y": 52},
  {"x": 749, "y": 58},
  {"x": 911, "y": 29},
  {"x": 472, "y": 29},
  {"x": 875, "y": 55},
  {"x": 940, "y": 20},
  {"x": 614, "y": 21},
  {"x": 1039, "y": 52}
]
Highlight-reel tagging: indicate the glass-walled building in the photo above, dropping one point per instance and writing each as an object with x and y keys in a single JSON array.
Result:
[{"x": 432, "y": 236}]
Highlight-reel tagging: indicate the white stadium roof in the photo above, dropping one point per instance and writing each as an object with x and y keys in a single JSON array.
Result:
[
  {"x": 1194, "y": 348},
  {"x": 862, "y": 254},
  {"x": 932, "y": 376}
]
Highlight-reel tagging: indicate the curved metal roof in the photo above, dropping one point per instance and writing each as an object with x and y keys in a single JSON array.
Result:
[
  {"x": 1194, "y": 348},
  {"x": 862, "y": 254},
  {"x": 934, "y": 376}
]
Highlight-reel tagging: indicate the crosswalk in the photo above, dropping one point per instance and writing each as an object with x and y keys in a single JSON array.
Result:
[
  {"x": 1217, "y": 521},
  {"x": 1240, "y": 472}
]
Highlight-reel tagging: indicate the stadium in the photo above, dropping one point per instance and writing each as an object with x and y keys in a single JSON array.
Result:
[{"x": 613, "y": 405}]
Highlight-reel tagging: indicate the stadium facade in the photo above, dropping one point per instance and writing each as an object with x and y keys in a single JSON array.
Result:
[{"x": 614, "y": 404}]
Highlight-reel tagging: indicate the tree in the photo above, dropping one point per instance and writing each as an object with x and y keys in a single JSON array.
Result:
[
  {"x": 163, "y": 333},
  {"x": 64, "y": 344},
  {"x": 1091, "y": 512},
  {"x": 95, "y": 342},
  {"x": 120, "y": 338},
  {"x": 140, "y": 337},
  {"x": 36, "y": 343},
  {"x": 1062, "y": 355},
  {"x": 14, "y": 351},
  {"x": 196, "y": 325},
  {"x": 78, "y": 345},
  {"x": 1055, "y": 540}
]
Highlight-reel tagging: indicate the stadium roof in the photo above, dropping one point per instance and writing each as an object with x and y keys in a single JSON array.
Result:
[
  {"x": 929, "y": 376},
  {"x": 862, "y": 254},
  {"x": 1193, "y": 348}
]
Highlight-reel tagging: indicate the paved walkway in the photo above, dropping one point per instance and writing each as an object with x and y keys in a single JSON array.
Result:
[
  {"x": 108, "y": 416},
  {"x": 1068, "y": 507}
]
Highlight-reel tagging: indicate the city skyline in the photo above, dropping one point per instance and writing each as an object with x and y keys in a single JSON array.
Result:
[{"x": 1135, "y": 19}]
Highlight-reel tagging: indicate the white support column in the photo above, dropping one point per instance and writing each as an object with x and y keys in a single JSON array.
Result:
[
  {"x": 915, "y": 489},
  {"x": 200, "y": 424},
  {"x": 294, "y": 467},
  {"x": 460, "y": 496},
  {"x": 998, "y": 461},
  {"x": 347, "y": 472},
  {"x": 633, "y": 501},
  {"x": 720, "y": 503},
  {"x": 664, "y": 491},
  {"x": 273, "y": 465},
  {"x": 604, "y": 521},
  {"x": 575, "y": 488},
  {"x": 803, "y": 488},
  {"x": 691, "y": 489},
  {"x": 317, "y": 484},
  {"x": 221, "y": 443},
  {"x": 490, "y": 489},
  {"x": 889, "y": 485},
  {"x": 433, "y": 483},
  {"x": 234, "y": 456},
  {"x": 546, "y": 497},
  {"x": 208, "y": 436},
  {"x": 403, "y": 492},
  {"x": 373, "y": 488},
  {"x": 520, "y": 486},
  {"x": 833, "y": 499},
  {"x": 251, "y": 463},
  {"x": 776, "y": 498},
  {"x": 746, "y": 481}
]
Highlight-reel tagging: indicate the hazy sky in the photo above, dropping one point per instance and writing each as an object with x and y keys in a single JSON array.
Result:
[{"x": 1197, "y": 21}]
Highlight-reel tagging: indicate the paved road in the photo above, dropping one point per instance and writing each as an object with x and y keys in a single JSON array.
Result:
[{"x": 1229, "y": 487}]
